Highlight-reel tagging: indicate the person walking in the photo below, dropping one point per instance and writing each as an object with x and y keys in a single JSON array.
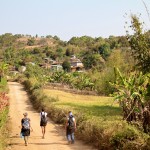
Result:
[
  {"x": 25, "y": 128},
  {"x": 43, "y": 122},
  {"x": 70, "y": 128}
]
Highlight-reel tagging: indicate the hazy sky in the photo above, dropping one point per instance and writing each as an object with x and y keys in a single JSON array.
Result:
[{"x": 68, "y": 18}]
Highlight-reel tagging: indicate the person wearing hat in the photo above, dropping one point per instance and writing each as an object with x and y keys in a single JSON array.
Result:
[
  {"x": 25, "y": 130},
  {"x": 70, "y": 128}
]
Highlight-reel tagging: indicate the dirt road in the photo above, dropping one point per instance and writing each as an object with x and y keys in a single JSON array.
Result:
[{"x": 55, "y": 137}]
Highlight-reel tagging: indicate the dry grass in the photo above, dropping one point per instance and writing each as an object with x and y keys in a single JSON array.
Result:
[
  {"x": 70, "y": 97},
  {"x": 92, "y": 106},
  {"x": 96, "y": 117}
]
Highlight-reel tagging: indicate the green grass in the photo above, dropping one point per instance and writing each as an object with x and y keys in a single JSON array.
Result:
[
  {"x": 92, "y": 106},
  {"x": 3, "y": 129}
]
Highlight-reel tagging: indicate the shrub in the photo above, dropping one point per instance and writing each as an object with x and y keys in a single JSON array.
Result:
[
  {"x": 146, "y": 146},
  {"x": 3, "y": 85},
  {"x": 122, "y": 138},
  {"x": 3, "y": 135}
]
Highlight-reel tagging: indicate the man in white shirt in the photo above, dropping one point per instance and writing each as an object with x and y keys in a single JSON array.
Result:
[{"x": 43, "y": 122}]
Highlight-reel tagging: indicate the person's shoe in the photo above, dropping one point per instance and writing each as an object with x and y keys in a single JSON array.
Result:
[
  {"x": 69, "y": 142},
  {"x": 72, "y": 142}
]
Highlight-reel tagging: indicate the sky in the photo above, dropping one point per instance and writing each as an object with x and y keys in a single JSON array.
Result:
[{"x": 70, "y": 18}]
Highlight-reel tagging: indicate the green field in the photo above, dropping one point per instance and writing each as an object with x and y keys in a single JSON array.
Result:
[
  {"x": 98, "y": 118},
  {"x": 95, "y": 107}
]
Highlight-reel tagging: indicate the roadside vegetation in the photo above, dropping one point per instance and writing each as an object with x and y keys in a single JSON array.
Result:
[
  {"x": 98, "y": 118},
  {"x": 4, "y": 102}
]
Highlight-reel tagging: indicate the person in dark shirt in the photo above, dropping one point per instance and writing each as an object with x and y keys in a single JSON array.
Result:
[{"x": 25, "y": 130}]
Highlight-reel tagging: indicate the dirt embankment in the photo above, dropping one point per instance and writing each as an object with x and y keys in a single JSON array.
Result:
[{"x": 66, "y": 88}]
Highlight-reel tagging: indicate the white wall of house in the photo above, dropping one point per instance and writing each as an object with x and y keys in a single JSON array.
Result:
[{"x": 56, "y": 67}]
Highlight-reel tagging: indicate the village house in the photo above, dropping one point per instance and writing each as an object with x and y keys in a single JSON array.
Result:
[
  {"x": 76, "y": 64},
  {"x": 56, "y": 67}
]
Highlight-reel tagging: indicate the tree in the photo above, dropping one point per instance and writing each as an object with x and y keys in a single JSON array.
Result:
[
  {"x": 113, "y": 42},
  {"x": 121, "y": 60},
  {"x": 9, "y": 54},
  {"x": 140, "y": 45},
  {"x": 92, "y": 60},
  {"x": 123, "y": 41},
  {"x": 68, "y": 53},
  {"x": 84, "y": 41},
  {"x": 56, "y": 38},
  {"x": 30, "y": 42},
  {"x": 66, "y": 65},
  {"x": 36, "y": 51},
  {"x": 104, "y": 50}
]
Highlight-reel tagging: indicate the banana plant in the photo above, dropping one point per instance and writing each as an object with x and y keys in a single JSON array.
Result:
[
  {"x": 83, "y": 82},
  {"x": 131, "y": 92},
  {"x": 57, "y": 76},
  {"x": 3, "y": 70}
]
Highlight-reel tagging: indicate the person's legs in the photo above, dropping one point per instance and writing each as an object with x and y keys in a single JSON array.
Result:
[
  {"x": 26, "y": 140},
  {"x": 72, "y": 138},
  {"x": 43, "y": 130},
  {"x": 69, "y": 138}
]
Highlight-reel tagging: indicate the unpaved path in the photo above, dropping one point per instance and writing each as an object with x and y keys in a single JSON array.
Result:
[{"x": 55, "y": 137}]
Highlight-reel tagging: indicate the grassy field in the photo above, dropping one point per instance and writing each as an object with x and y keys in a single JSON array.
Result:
[{"x": 95, "y": 107}]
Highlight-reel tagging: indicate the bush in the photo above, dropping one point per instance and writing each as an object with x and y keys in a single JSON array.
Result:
[
  {"x": 146, "y": 146},
  {"x": 123, "y": 138},
  {"x": 102, "y": 84},
  {"x": 3, "y": 85},
  {"x": 3, "y": 135}
]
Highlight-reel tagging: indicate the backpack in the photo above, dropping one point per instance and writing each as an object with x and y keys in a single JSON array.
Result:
[
  {"x": 71, "y": 123},
  {"x": 43, "y": 118},
  {"x": 25, "y": 123}
]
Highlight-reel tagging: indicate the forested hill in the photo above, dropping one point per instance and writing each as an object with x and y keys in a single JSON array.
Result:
[
  {"x": 97, "y": 56},
  {"x": 36, "y": 48}
]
